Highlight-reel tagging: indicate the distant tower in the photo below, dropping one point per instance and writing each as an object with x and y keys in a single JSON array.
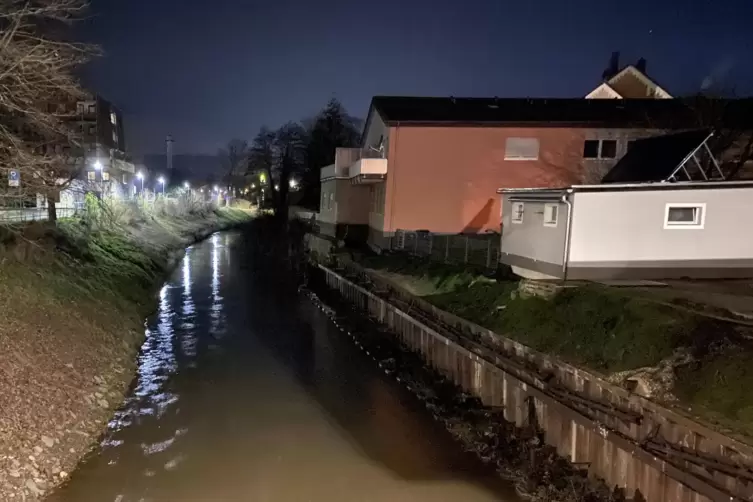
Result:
[{"x": 169, "y": 153}]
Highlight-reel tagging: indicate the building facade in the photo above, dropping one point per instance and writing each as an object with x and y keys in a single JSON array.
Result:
[{"x": 435, "y": 163}]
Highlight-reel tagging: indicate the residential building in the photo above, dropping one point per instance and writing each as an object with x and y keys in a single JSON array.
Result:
[
  {"x": 630, "y": 82},
  {"x": 433, "y": 163},
  {"x": 104, "y": 164},
  {"x": 661, "y": 215}
]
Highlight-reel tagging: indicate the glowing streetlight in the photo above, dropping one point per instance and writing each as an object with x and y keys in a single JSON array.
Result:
[
  {"x": 277, "y": 187},
  {"x": 186, "y": 185},
  {"x": 216, "y": 188},
  {"x": 140, "y": 176},
  {"x": 97, "y": 165},
  {"x": 253, "y": 185},
  {"x": 293, "y": 183},
  {"x": 162, "y": 181}
]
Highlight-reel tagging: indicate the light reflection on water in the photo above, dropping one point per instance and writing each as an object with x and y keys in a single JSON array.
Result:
[{"x": 240, "y": 391}]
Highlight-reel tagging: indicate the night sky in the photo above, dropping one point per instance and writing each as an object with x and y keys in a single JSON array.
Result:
[{"x": 208, "y": 71}]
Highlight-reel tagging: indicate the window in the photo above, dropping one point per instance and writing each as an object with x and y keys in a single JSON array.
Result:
[
  {"x": 125, "y": 179},
  {"x": 91, "y": 175},
  {"x": 517, "y": 212},
  {"x": 113, "y": 118},
  {"x": 92, "y": 108},
  {"x": 322, "y": 205},
  {"x": 80, "y": 108},
  {"x": 608, "y": 149},
  {"x": 591, "y": 149},
  {"x": 600, "y": 149},
  {"x": 105, "y": 176},
  {"x": 550, "y": 215},
  {"x": 331, "y": 200},
  {"x": 681, "y": 215},
  {"x": 522, "y": 149},
  {"x": 92, "y": 130}
]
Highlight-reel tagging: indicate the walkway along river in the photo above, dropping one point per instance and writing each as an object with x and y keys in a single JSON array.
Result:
[{"x": 245, "y": 393}]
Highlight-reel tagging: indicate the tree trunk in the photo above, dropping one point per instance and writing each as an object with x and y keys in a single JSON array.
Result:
[{"x": 52, "y": 214}]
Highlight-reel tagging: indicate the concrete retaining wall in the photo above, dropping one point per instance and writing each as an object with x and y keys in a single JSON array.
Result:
[{"x": 627, "y": 440}]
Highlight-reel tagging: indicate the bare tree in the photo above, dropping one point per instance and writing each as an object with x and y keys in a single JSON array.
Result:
[
  {"x": 261, "y": 158},
  {"x": 235, "y": 159},
  {"x": 38, "y": 94},
  {"x": 290, "y": 146}
]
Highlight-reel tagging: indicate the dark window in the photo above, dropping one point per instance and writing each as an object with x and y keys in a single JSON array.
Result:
[
  {"x": 92, "y": 108},
  {"x": 608, "y": 149},
  {"x": 591, "y": 149}
]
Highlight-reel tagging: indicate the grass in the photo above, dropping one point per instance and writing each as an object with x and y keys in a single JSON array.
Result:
[{"x": 603, "y": 329}]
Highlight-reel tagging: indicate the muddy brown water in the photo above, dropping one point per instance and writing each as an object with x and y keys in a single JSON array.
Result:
[{"x": 247, "y": 394}]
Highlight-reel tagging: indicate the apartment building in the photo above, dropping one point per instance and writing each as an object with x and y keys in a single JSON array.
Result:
[
  {"x": 103, "y": 165},
  {"x": 435, "y": 163}
]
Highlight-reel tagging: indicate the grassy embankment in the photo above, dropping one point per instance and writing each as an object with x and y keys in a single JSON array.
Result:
[
  {"x": 72, "y": 300},
  {"x": 603, "y": 329}
]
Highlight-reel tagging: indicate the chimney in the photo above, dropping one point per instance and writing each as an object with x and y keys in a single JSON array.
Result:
[
  {"x": 613, "y": 68},
  {"x": 641, "y": 65}
]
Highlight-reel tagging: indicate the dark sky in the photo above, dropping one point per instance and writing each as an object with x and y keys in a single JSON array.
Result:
[{"x": 206, "y": 71}]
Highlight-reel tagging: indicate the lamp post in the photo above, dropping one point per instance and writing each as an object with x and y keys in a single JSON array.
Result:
[
  {"x": 140, "y": 176},
  {"x": 162, "y": 182},
  {"x": 187, "y": 186}
]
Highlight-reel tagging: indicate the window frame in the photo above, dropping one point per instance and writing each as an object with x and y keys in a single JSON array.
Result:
[
  {"x": 518, "y": 158},
  {"x": 601, "y": 149},
  {"x": 698, "y": 223},
  {"x": 555, "y": 222},
  {"x": 91, "y": 175},
  {"x": 105, "y": 176},
  {"x": 513, "y": 212}
]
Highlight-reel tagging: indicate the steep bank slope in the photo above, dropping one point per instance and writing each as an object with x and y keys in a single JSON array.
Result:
[{"x": 72, "y": 304}]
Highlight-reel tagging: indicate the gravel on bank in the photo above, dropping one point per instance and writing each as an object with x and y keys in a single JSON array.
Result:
[{"x": 73, "y": 299}]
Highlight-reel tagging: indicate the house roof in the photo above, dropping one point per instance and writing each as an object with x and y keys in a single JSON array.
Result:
[
  {"x": 655, "y": 159},
  {"x": 550, "y": 194},
  {"x": 655, "y": 113},
  {"x": 635, "y": 72}
]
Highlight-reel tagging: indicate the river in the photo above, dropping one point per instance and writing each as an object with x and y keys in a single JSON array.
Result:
[{"x": 244, "y": 393}]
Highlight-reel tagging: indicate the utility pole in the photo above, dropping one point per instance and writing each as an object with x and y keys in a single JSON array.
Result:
[{"x": 169, "y": 154}]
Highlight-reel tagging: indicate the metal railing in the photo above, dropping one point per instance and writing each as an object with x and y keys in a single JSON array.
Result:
[
  {"x": 473, "y": 249},
  {"x": 20, "y": 215}
]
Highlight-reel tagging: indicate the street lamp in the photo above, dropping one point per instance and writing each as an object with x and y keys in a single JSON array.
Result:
[
  {"x": 162, "y": 181},
  {"x": 293, "y": 183},
  {"x": 140, "y": 176},
  {"x": 97, "y": 165}
]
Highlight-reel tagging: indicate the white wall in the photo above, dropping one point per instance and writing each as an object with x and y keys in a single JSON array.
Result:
[{"x": 628, "y": 226}]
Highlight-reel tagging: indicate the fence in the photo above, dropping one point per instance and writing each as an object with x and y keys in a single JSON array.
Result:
[
  {"x": 20, "y": 215},
  {"x": 473, "y": 249},
  {"x": 625, "y": 439}
]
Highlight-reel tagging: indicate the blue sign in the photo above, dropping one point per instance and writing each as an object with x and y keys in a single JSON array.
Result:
[{"x": 14, "y": 178}]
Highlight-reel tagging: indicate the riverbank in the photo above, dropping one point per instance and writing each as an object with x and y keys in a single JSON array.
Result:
[
  {"x": 697, "y": 364},
  {"x": 74, "y": 298}
]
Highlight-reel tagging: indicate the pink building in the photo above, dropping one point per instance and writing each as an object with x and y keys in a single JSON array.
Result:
[{"x": 436, "y": 163}]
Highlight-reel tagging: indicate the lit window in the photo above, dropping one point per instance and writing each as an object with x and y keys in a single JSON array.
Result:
[
  {"x": 684, "y": 215},
  {"x": 105, "y": 176},
  {"x": 91, "y": 175},
  {"x": 518, "y": 209},
  {"x": 331, "y": 200},
  {"x": 522, "y": 149},
  {"x": 550, "y": 215},
  {"x": 113, "y": 118}
]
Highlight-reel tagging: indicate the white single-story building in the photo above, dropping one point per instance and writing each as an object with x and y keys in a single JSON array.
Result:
[{"x": 629, "y": 231}]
